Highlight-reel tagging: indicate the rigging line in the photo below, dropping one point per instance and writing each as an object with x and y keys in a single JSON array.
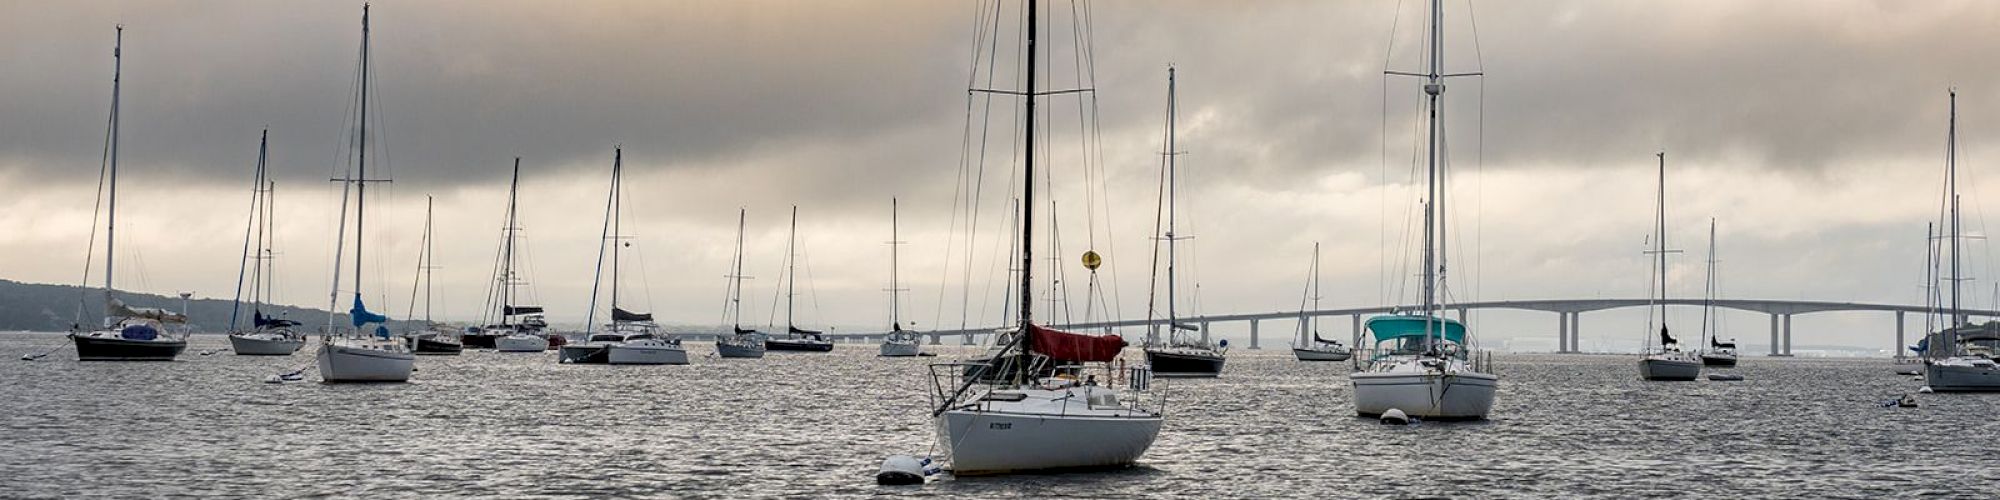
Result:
[
  {"x": 1382, "y": 198},
  {"x": 964, "y": 161},
  {"x": 978, "y": 180},
  {"x": 1097, "y": 140}
]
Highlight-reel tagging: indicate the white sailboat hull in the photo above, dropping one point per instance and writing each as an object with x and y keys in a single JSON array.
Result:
[
  {"x": 1431, "y": 395},
  {"x": 363, "y": 363},
  {"x": 264, "y": 344},
  {"x": 521, "y": 342},
  {"x": 901, "y": 349},
  {"x": 1321, "y": 355},
  {"x": 983, "y": 442},
  {"x": 629, "y": 354},
  {"x": 1950, "y": 376}
]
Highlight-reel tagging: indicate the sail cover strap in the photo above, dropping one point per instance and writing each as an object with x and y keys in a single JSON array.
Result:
[{"x": 1075, "y": 347}]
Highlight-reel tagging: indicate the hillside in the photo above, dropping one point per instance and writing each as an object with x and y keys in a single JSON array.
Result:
[{"x": 44, "y": 307}]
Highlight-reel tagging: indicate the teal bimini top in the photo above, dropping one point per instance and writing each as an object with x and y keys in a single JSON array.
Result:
[{"x": 1397, "y": 326}]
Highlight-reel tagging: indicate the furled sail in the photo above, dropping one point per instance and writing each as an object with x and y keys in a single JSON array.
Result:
[
  {"x": 118, "y": 308},
  {"x": 361, "y": 315},
  {"x": 801, "y": 331},
  {"x": 1667, "y": 339},
  {"x": 519, "y": 310},
  {"x": 745, "y": 331},
  {"x": 1719, "y": 344},
  {"x": 1074, "y": 347},
  {"x": 624, "y": 315},
  {"x": 1324, "y": 340}
]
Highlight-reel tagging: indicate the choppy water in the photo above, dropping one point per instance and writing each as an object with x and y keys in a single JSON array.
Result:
[{"x": 815, "y": 425}]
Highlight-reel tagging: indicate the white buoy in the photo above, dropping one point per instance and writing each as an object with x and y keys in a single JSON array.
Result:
[
  {"x": 901, "y": 470},
  {"x": 1924, "y": 390},
  {"x": 273, "y": 380},
  {"x": 1395, "y": 417}
]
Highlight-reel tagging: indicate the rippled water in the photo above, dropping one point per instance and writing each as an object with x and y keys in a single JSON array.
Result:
[{"x": 812, "y": 425}]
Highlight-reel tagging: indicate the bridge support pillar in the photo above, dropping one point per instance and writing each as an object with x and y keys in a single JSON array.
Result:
[
  {"x": 1576, "y": 332},
  {"x": 967, "y": 339},
  {"x": 1356, "y": 342},
  {"x": 1788, "y": 335},
  {"x": 1774, "y": 335},
  {"x": 1204, "y": 332},
  {"x": 1562, "y": 332},
  {"x": 936, "y": 339},
  {"x": 1898, "y": 348},
  {"x": 1253, "y": 336},
  {"x": 1463, "y": 313}
]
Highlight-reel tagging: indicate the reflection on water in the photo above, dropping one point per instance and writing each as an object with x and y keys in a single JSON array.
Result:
[{"x": 808, "y": 424}]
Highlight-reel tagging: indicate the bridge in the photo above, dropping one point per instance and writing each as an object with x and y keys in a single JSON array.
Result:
[{"x": 1569, "y": 313}]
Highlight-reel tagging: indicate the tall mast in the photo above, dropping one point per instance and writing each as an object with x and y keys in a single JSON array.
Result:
[
  {"x": 895, "y": 293},
  {"x": 427, "y": 259},
  {"x": 507, "y": 249},
  {"x": 253, "y": 255},
  {"x": 268, "y": 257},
  {"x": 111, "y": 207},
  {"x": 791, "y": 267},
  {"x": 1951, "y": 188},
  {"x": 1660, "y": 236},
  {"x": 617, "y": 218},
  {"x": 1028, "y": 183},
  {"x": 1708, "y": 295},
  {"x": 736, "y": 276},
  {"x": 1315, "y": 292},
  {"x": 1173, "y": 318},
  {"x": 361, "y": 157}
]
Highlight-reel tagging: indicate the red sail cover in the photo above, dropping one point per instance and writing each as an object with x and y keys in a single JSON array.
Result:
[{"x": 1075, "y": 347}]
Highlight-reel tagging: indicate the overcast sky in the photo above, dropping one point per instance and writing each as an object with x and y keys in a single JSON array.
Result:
[{"x": 1812, "y": 131}]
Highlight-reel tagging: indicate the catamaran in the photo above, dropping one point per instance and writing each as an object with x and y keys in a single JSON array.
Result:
[
  {"x": 1185, "y": 352},
  {"x": 1033, "y": 406},
  {"x": 740, "y": 342},
  {"x": 266, "y": 336},
  {"x": 1423, "y": 363},
  {"x": 1961, "y": 359},
  {"x": 795, "y": 338},
  {"x": 1666, "y": 361},
  {"x": 631, "y": 338},
  {"x": 1313, "y": 347},
  {"x": 529, "y": 333},
  {"x": 128, "y": 333},
  {"x": 357, "y": 355},
  {"x": 899, "y": 342}
]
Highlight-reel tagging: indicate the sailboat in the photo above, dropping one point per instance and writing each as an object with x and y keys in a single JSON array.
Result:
[
  {"x": 1314, "y": 347},
  {"x": 435, "y": 338},
  {"x": 1006, "y": 417},
  {"x": 356, "y": 355},
  {"x": 740, "y": 342},
  {"x": 266, "y": 336},
  {"x": 1719, "y": 353},
  {"x": 1960, "y": 359},
  {"x": 1431, "y": 371},
  {"x": 631, "y": 338},
  {"x": 1668, "y": 362},
  {"x": 128, "y": 333},
  {"x": 795, "y": 339},
  {"x": 900, "y": 342},
  {"x": 531, "y": 333},
  {"x": 1182, "y": 353}
]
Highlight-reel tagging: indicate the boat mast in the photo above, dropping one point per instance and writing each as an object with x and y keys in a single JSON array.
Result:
[
  {"x": 426, "y": 262},
  {"x": 361, "y": 159},
  {"x": 507, "y": 257},
  {"x": 1315, "y": 297},
  {"x": 736, "y": 277},
  {"x": 254, "y": 255},
  {"x": 1433, "y": 224},
  {"x": 1173, "y": 317},
  {"x": 617, "y": 219},
  {"x": 1660, "y": 239},
  {"x": 1708, "y": 292},
  {"x": 1028, "y": 183},
  {"x": 895, "y": 293},
  {"x": 1951, "y": 189},
  {"x": 791, "y": 268},
  {"x": 111, "y": 206}
]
